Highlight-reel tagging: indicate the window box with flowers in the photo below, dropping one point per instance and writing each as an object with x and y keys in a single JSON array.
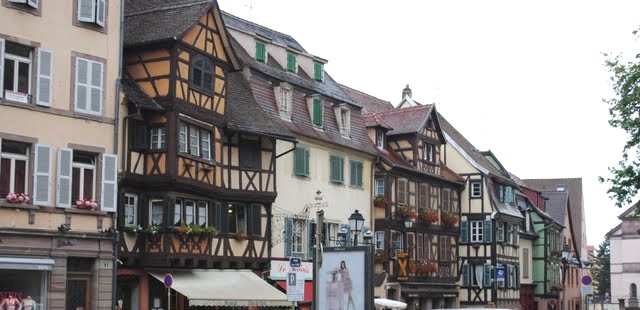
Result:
[
  {"x": 426, "y": 266},
  {"x": 427, "y": 215},
  {"x": 449, "y": 218},
  {"x": 87, "y": 204},
  {"x": 380, "y": 201},
  {"x": 241, "y": 235},
  {"x": 380, "y": 257},
  {"x": 151, "y": 229},
  {"x": 404, "y": 212},
  {"x": 133, "y": 229},
  {"x": 18, "y": 198}
]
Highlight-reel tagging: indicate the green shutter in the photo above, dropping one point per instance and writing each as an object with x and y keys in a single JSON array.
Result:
[
  {"x": 487, "y": 232},
  {"x": 260, "y": 52},
  {"x": 288, "y": 236},
  {"x": 336, "y": 164},
  {"x": 352, "y": 169},
  {"x": 465, "y": 275},
  {"x": 317, "y": 72},
  {"x": 317, "y": 112},
  {"x": 300, "y": 166},
  {"x": 306, "y": 162},
  {"x": 464, "y": 232},
  {"x": 310, "y": 243},
  {"x": 487, "y": 276},
  {"x": 291, "y": 63},
  {"x": 359, "y": 174}
]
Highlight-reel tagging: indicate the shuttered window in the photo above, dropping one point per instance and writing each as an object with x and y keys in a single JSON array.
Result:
[
  {"x": 14, "y": 159},
  {"x": 250, "y": 155},
  {"x": 45, "y": 77},
  {"x": 488, "y": 232},
  {"x": 63, "y": 194},
  {"x": 109, "y": 182},
  {"x": 336, "y": 164},
  {"x": 292, "y": 65},
  {"x": 256, "y": 220},
  {"x": 31, "y": 3},
  {"x": 92, "y": 11},
  {"x": 464, "y": 232},
  {"x": 89, "y": 86},
  {"x": 301, "y": 161},
  {"x": 318, "y": 71},
  {"x": 402, "y": 191},
  {"x": 318, "y": 112},
  {"x": 261, "y": 52},
  {"x": 42, "y": 175},
  {"x": 356, "y": 173}
]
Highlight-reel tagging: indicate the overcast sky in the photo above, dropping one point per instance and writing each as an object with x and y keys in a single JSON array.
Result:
[{"x": 523, "y": 79}]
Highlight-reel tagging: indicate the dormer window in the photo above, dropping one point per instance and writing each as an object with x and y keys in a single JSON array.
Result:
[
  {"x": 261, "y": 52},
  {"x": 316, "y": 110},
  {"x": 428, "y": 152},
  {"x": 318, "y": 71},
  {"x": 202, "y": 75},
  {"x": 343, "y": 115},
  {"x": 380, "y": 137},
  {"x": 284, "y": 99},
  {"x": 292, "y": 63}
]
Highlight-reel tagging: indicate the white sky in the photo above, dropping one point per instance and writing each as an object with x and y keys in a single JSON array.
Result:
[{"x": 524, "y": 79}]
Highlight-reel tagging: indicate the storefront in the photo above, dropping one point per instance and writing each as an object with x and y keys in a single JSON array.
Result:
[
  {"x": 22, "y": 277},
  {"x": 278, "y": 273}
]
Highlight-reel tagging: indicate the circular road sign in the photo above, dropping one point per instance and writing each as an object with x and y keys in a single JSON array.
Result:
[
  {"x": 168, "y": 280},
  {"x": 586, "y": 280}
]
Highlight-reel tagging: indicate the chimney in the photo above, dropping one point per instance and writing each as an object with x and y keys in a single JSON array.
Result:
[{"x": 406, "y": 92}]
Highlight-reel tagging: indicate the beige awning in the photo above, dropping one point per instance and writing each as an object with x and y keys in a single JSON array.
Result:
[{"x": 232, "y": 288}]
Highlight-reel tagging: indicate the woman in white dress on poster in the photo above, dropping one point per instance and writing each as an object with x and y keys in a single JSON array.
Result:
[{"x": 347, "y": 285}]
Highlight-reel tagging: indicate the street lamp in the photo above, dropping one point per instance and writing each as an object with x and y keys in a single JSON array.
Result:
[{"x": 356, "y": 220}]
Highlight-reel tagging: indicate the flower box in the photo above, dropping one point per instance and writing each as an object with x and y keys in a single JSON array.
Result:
[
  {"x": 428, "y": 216},
  {"x": 404, "y": 212},
  {"x": 241, "y": 235},
  {"x": 87, "y": 204},
  {"x": 449, "y": 218},
  {"x": 17, "y": 198},
  {"x": 380, "y": 201}
]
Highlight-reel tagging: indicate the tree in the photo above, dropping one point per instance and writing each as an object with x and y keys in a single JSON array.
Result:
[
  {"x": 623, "y": 109},
  {"x": 602, "y": 268}
]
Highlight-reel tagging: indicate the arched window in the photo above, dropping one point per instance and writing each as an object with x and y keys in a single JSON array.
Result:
[
  {"x": 633, "y": 290},
  {"x": 201, "y": 75}
]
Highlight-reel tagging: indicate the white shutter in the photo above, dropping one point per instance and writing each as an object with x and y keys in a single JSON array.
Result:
[
  {"x": 18, "y": 1},
  {"x": 33, "y": 3},
  {"x": 87, "y": 10},
  {"x": 95, "y": 99},
  {"x": 100, "y": 13},
  {"x": 65, "y": 160},
  {"x": 41, "y": 175},
  {"x": 109, "y": 182},
  {"x": 82, "y": 87},
  {"x": 45, "y": 76},
  {"x": 1, "y": 66}
]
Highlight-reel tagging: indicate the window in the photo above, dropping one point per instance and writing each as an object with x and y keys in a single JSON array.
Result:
[
  {"x": 477, "y": 275},
  {"x": 380, "y": 138},
  {"x": 301, "y": 161},
  {"x": 156, "y": 210},
  {"x": 476, "y": 231},
  {"x": 83, "y": 180},
  {"x": 89, "y": 86},
  {"x": 237, "y": 218},
  {"x": 250, "y": 152},
  {"x": 345, "y": 122},
  {"x": 423, "y": 196},
  {"x": 379, "y": 240},
  {"x": 297, "y": 245},
  {"x": 202, "y": 212},
  {"x": 445, "y": 248},
  {"x": 285, "y": 102},
  {"x": 14, "y": 167},
  {"x": 525, "y": 261},
  {"x": 446, "y": 200},
  {"x": 201, "y": 75},
  {"x": 157, "y": 138},
  {"x": 476, "y": 189},
  {"x": 428, "y": 152},
  {"x": 130, "y": 209},
  {"x": 29, "y": 3},
  {"x": 379, "y": 188},
  {"x": 194, "y": 140},
  {"x": 403, "y": 191},
  {"x": 500, "y": 227},
  {"x": 336, "y": 173},
  {"x": 16, "y": 80},
  {"x": 190, "y": 212},
  {"x": 92, "y": 11},
  {"x": 261, "y": 52},
  {"x": 318, "y": 112},
  {"x": 292, "y": 65},
  {"x": 356, "y": 173},
  {"x": 318, "y": 71},
  {"x": 505, "y": 194},
  {"x": 79, "y": 282}
]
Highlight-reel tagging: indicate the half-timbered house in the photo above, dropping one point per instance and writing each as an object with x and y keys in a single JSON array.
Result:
[
  {"x": 198, "y": 164},
  {"x": 330, "y": 166},
  {"x": 489, "y": 226},
  {"x": 416, "y": 205}
]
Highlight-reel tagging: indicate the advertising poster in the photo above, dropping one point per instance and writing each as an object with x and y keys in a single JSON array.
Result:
[{"x": 344, "y": 283}]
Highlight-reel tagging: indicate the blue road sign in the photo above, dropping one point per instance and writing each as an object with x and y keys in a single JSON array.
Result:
[
  {"x": 500, "y": 273},
  {"x": 294, "y": 262},
  {"x": 168, "y": 280}
]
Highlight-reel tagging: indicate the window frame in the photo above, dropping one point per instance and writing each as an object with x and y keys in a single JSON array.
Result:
[
  {"x": 13, "y": 157},
  {"x": 127, "y": 206},
  {"x": 380, "y": 138},
  {"x": 160, "y": 134},
  {"x": 476, "y": 231},
  {"x": 93, "y": 22},
  {"x": 153, "y": 206},
  {"x": 81, "y": 183},
  {"x": 476, "y": 189},
  {"x": 344, "y": 121},
  {"x": 359, "y": 176},
  {"x": 24, "y": 5},
  {"x": 253, "y": 161},
  {"x": 17, "y": 60},
  {"x": 336, "y": 176},
  {"x": 428, "y": 152},
  {"x": 193, "y": 139},
  {"x": 298, "y": 248},
  {"x": 403, "y": 193},
  {"x": 377, "y": 187},
  {"x": 205, "y": 65},
  {"x": 89, "y": 86}
]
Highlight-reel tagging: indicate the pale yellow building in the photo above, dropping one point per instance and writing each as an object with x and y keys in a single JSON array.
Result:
[{"x": 59, "y": 64}]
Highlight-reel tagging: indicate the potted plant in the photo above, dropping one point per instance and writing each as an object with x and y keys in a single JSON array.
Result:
[
  {"x": 380, "y": 257},
  {"x": 427, "y": 215},
  {"x": 150, "y": 229},
  {"x": 426, "y": 266},
  {"x": 381, "y": 201},
  {"x": 404, "y": 213},
  {"x": 209, "y": 231},
  {"x": 133, "y": 229},
  {"x": 18, "y": 198},
  {"x": 87, "y": 204},
  {"x": 449, "y": 218},
  {"x": 241, "y": 235}
]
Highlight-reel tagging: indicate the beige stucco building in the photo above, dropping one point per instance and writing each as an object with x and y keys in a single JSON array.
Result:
[{"x": 59, "y": 64}]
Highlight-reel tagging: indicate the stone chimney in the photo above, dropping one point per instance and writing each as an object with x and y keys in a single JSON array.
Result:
[{"x": 406, "y": 92}]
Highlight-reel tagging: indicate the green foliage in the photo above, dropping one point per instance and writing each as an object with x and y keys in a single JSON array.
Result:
[
  {"x": 623, "y": 110},
  {"x": 602, "y": 269}
]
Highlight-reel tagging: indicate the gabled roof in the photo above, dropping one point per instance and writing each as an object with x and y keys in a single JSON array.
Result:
[
  {"x": 557, "y": 205},
  {"x": 629, "y": 211},
  {"x": 501, "y": 207},
  {"x": 406, "y": 120},
  {"x": 370, "y": 104},
  {"x": 374, "y": 120}
]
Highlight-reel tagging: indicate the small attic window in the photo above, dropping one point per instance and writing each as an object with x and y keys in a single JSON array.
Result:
[
  {"x": 318, "y": 71},
  {"x": 292, "y": 63},
  {"x": 261, "y": 51},
  {"x": 430, "y": 124},
  {"x": 560, "y": 188}
]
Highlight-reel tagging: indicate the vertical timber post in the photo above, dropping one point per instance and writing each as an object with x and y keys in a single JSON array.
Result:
[{"x": 317, "y": 260}]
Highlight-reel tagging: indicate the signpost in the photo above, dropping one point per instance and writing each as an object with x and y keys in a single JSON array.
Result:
[
  {"x": 295, "y": 286},
  {"x": 168, "y": 281}
]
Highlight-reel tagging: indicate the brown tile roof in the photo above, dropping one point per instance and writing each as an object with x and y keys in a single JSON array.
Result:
[
  {"x": 137, "y": 96},
  {"x": 374, "y": 120},
  {"x": 147, "y": 21},
  {"x": 369, "y": 103},
  {"x": 406, "y": 120}
]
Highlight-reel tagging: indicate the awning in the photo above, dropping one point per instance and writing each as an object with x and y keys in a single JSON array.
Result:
[
  {"x": 26, "y": 263},
  {"x": 389, "y": 303},
  {"x": 308, "y": 290},
  {"x": 232, "y": 288}
]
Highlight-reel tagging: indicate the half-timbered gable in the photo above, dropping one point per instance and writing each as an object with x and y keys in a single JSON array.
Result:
[{"x": 416, "y": 204}]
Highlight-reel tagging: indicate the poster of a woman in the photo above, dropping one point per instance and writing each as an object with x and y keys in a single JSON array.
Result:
[{"x": 342, "y": 279}]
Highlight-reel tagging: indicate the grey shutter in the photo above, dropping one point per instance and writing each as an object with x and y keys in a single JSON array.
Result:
[
  {"x": 298, "y": 161},
  {"x": 360, "y": 173},
  {"x": 464, "y": 232},
  {"x": 0, "y": 146},
  {"x": 487, "y": 275},
  {"x": 508, "y": 232},
  {"x": 1, "y": 67},
  {"x": 87, "y": 10},
  {"x": 487, "y": 232},
  {"x": 100, "y": 14},
  {"x": 82, "y": 81},
  {"x": 465, "y": 275},
  {"x": 256, "y": 216},
  {"x": 65, "y": 160},
  {"x": 41, "y": 175},
  {"x": 109, "y": 182},
  {"x": 352, "y": 171},
  {"x": 33, "y": 3},
  {"x": 516, "y": 269},
  {"x": 288, "y": 236},
  {"x": 96, "y": 87},
  {"x": 310, "y": 240},
  {"x": 45, "y": 76}
]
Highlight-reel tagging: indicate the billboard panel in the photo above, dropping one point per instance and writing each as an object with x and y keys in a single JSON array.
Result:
[{"x": 344, "y": 279}]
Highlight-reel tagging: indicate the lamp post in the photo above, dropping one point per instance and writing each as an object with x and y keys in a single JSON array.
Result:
[
  {"x": 565, "y": 265},
  {"x": 356, "y": 220}
]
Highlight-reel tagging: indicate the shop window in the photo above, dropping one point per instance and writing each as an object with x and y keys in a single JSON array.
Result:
[{"x": 23, "y": 284}]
